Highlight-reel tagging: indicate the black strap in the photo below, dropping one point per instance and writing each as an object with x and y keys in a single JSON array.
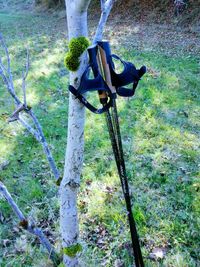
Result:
[
  {"x": 89, "y": 85},
  {"x": 84, "y": 101},
  {"x": 127, "y": 76},
  {"x": 126, "y": 92}
]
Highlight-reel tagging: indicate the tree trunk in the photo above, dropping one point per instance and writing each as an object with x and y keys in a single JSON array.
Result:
[{"x": 77, "y": 26}]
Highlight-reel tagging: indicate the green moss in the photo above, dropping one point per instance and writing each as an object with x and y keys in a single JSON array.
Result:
[
  {"x": 76, "y": 47},
  {"x": 72, "y": 250},
  {"x": 71, "y": 62}
]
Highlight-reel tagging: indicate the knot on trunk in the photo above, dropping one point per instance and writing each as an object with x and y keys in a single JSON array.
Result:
[{"x": 72, "y": 184}]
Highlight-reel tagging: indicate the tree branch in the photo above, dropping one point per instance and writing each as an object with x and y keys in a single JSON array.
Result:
[
  {"x": 24, "y": 75},
  {"x": 8, "y": 62},
  {"x": 102, "y": 4},
  {"x": 6, "y": 75},
  {"x": 9, "y": 86},
  {"x": 29, "y": 226},
  {"x": 106, "y": 8},
  {"x": 30, "y": 129},
  {"x": 45, "y": 146}
]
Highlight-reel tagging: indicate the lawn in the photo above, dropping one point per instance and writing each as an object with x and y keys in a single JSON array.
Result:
[{"x": 161, "y": 135}]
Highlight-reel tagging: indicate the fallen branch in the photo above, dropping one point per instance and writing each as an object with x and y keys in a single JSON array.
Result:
[{"x": 30, "y": 226}]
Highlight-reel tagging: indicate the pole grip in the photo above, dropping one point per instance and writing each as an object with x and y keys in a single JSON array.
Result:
[
  {"x": 106, "y": 69},
  {"x": 102, "y": 94}
]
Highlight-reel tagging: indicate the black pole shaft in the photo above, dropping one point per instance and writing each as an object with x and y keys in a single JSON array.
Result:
[
  {"x": 115, "y": 136},
  {"x": 132, "y": 224}
]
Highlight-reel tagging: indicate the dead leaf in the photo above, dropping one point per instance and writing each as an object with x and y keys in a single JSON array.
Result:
[{"x": 158, "y": 253}]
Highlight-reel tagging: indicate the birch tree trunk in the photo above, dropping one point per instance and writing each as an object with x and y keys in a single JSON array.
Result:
[{"x": 77, "y": 26}]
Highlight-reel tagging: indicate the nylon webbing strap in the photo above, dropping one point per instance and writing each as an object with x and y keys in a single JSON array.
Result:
[
  {"x": 116, "y": 142},
  {"x": 84, "y": 101}
]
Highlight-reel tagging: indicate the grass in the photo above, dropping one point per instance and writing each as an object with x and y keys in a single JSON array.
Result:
[{"x": 160, "y": 129}]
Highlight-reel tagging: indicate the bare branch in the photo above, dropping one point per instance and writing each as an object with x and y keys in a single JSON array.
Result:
[
  {"x": 9, "y": 87},
  {"x": 37, "y": 133},
  {"x": 24, "y": 76},
  {"x": 29, "y": 128},
  {"x": 8, "y": 62},
  {"x": 11, "y": 202},
  {"x": 102, "y": 5},
  {"x": 6, "y": 50},
  {"x": 27, "y": 63},
  {"x": 15, "y": 115},
  {"x": 45, "y": 146},
  {"x": 29, "y": 226},
  {"x": 107, "y": 6},
  {"x": 3, "y": 68}
]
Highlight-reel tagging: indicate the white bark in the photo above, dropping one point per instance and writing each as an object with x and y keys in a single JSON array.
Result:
[{"x": 77, "y": 26}]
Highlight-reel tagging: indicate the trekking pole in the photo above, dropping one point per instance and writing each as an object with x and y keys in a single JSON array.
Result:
[
  {"x": 115, "y": 136},
  {"x": 109, "y": 84}
]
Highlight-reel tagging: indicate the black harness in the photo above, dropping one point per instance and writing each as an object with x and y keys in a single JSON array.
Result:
[
  {"x": 88, "y": 85},
  {"x": 129, "y": 75}
]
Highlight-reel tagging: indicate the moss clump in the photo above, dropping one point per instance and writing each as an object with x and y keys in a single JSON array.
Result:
[
  {"x": 76, "y": 47},
  {"x": 71, "y": 62},
  {"x": 72, "y": 250}
]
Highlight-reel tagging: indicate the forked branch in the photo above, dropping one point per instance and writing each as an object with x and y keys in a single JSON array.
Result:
[
  {"x": 36, "y": 131},
  {"x": 29, "y": 226}
]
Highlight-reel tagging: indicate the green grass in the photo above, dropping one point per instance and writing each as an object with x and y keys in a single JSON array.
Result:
[{"x": 160, "y": 129}]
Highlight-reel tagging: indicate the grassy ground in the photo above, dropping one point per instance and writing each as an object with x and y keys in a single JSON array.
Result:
[{"x": 160, "y": 129}]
